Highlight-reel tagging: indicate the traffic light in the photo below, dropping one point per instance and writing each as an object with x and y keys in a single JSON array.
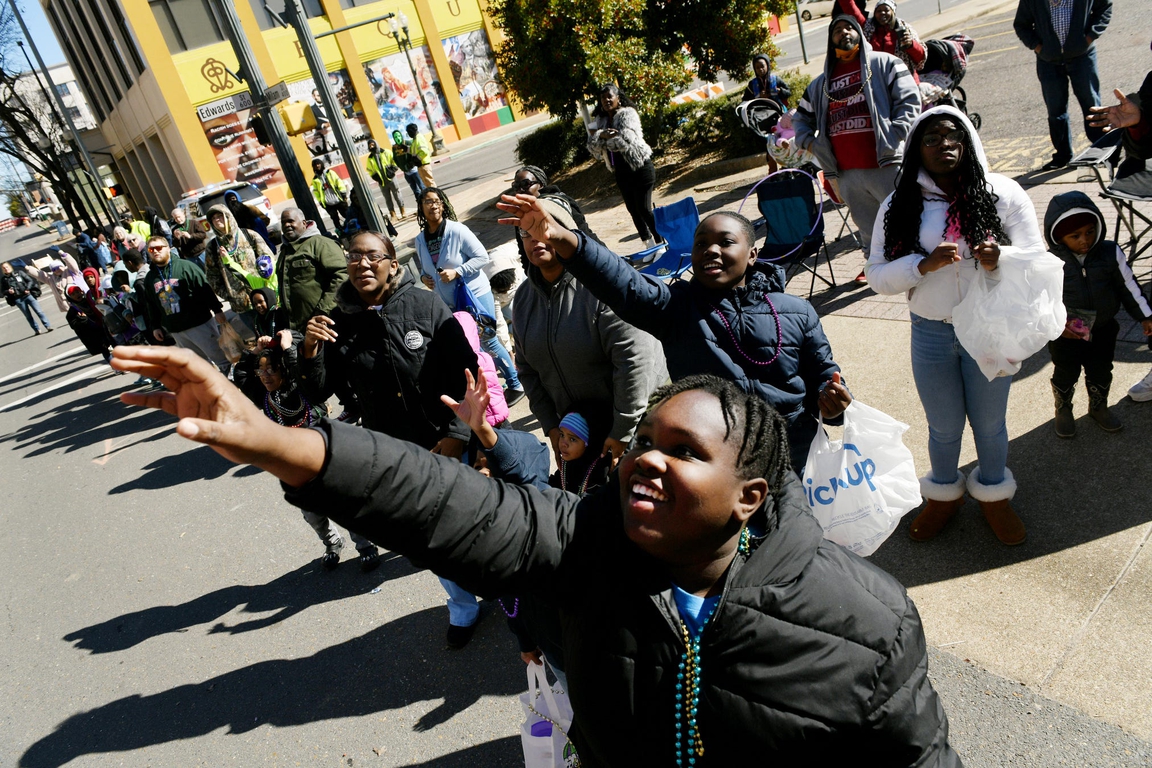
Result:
[
  {"x": 113, "y": 191},
  {"x": 256, "y": 125},
  {"x": 297, "y": 117}
]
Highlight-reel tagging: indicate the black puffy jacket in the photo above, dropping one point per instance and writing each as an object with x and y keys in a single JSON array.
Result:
[
  {"x": 19, "y": 281},
  {"x": 1104, "y": 281},
  {"x": 813, "y": 657},
  {"x": 398, "y": 361}
]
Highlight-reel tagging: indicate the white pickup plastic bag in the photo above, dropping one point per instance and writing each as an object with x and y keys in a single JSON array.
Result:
[
  {"x": 859, "y": 489},
  {"x": 1012, "y": 313},
  {"x": 547, "y": 718}
]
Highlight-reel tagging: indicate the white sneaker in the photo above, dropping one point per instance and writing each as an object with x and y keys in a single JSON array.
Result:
[
  {"x": 1141, "y": 391},
  {"x": 650, "y": 242}
]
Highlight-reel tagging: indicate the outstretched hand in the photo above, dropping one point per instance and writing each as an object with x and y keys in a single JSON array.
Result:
[
  {"x": 214, "y": 412},
  {"x": 1122, "y": 115},
  {"x": 834, "y": 398},
  {"x": 537, "y": 223},
  {"x": 474, "y": 408}
]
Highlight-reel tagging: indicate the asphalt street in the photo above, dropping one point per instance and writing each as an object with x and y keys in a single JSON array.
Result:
[{"x": 165, "y": 608}]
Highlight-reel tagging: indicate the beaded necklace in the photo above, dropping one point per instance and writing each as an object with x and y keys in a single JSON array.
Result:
[
  {"x": 736, "y": 344},
  {"x": 278, "y": 412},
  {"x": 688, "y": 682},
  {"x": 587, "y": 477},
  {"x": 515, "y": 607}
]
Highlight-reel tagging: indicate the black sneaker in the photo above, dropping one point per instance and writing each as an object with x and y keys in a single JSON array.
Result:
[
  {"x": 513, "y": 396},
  {"x": 349, "y": 417},
  {"x": 458, "y": 637},
  {"x": 369, "y": 561},
  {"x": 49, "y": 330},
  {"x": 1054, "y": 164},
  {"x": 330, "y": 560}
]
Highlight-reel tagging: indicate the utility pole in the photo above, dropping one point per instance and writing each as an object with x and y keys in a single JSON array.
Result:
[
  {"x": 362, "y": 187},
  {"x": 250, "y": 73},
  {"x": 104, "y": 202}
]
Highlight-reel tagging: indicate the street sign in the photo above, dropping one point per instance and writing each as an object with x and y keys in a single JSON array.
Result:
[{"x": 277, "y": 93}]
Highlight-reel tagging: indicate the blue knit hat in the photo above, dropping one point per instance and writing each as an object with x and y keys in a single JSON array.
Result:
[{"x": 577, "y": 425}]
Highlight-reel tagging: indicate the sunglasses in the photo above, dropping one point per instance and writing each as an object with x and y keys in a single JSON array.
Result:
[
  {"x": 523, "y": 185},
  {"x": 156, "y": 248},
  {"x": 936, "y": 139}
]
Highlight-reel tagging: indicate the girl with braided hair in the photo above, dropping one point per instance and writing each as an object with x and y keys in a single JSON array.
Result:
[
  {"x": 947, "y": 218},
  {"x": 686, "y": 641}
]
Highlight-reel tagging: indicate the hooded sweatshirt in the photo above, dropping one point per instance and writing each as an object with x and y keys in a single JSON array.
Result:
[
  {"x": 1104, "y": 280},
  {"x": 889, "y": 90},
  {"x": 885, "y": 39},
  {"x": 497, "y": 410},
  {"x": 232, "y": 261},
  {"x": 309, "y": 269},
  {"x": 936, "y": 294}
]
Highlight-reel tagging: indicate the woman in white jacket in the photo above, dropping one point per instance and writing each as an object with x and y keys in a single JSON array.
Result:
[
  {"x": 947, "y": 218},
  {"x": 617, "y": 138}
]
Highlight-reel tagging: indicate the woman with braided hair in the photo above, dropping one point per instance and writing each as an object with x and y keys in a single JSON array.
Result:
[
  {"x": 947, "y": 218},
  {"x": 704, "y": 619}
]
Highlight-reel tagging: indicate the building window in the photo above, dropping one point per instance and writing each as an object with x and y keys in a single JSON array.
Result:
[
  {"x": 312, "y": 9},
  {"x": 129, "y": 41},
  {"x": 75, "y": 114},
  {"x": 80, "y": 66},
  {"x": 62, "y": 89},
  {"x": 186, "y": 24},
  {"x": 355, "y": 3}
]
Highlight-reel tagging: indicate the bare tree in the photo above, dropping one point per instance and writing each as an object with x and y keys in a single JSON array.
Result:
[{"x": 29, "y": 130}]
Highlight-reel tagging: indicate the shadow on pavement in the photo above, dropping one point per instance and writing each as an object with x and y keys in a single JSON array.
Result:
[
  {"x": 167, "y": 471},
  {"x": 398, "y": 664},
  {"x": 1071, "y": 492},
  {"x": 288, "y": 595},
  {"x": 500, "y": 752}
]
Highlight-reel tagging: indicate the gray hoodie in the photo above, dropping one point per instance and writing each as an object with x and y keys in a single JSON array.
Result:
[{"x": 892, "y": 96}]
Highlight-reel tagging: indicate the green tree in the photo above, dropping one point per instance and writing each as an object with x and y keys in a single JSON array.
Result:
[{"x": 558, "y": 52}]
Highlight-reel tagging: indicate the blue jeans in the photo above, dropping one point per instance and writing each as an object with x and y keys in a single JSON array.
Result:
[
  {"x": 28, "y": 305},
  {"x": 493, "y": 346},
  {"x": 952, "y": 389},
  {"x": 1054, "y": 78},
  {"x": 463, "y": 610},
  {"x": 414, "y": 181}
]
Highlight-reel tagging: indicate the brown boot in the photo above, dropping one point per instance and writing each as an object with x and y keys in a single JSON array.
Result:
[
  {"x": 995, "y": 503},
  {"x": 943, "y": 501},
  {"x": 1065, "y": 422}
]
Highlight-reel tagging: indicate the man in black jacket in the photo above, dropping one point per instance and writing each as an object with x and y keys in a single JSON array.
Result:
[
  {"x": 705, "y": 620},
  {"x": 397, "y": 348},
  {"x": 1063, "y": 35},
  {"x": 21, "y": 290}
]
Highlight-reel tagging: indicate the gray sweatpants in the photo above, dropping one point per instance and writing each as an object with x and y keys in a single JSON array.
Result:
[
  {"x": 328, "y": 534},
  {"x": 864, "y": 190},
  {"x": 203, "y": 340}
]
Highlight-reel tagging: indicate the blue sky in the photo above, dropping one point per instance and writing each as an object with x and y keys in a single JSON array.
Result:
[{"x": 41, "y": 32}]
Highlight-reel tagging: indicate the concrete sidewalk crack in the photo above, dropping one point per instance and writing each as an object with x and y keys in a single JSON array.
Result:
[{"x": 1075, "y": 642}]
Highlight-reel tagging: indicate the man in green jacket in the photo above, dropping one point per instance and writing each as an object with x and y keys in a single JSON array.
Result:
[
  {"x": 330, "y": 192},
  {"x": 381, "y": 167},
  {"x": 178, "y": 302},
  {"x": 309, "y": 269},
  {"x": 421, "y": 149}
]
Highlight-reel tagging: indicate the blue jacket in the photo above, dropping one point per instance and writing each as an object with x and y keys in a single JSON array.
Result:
[
  {"x": 686, "y": 318},
  {"x": 459, "y": 250},
  {"x": 1033, "y": 26}
]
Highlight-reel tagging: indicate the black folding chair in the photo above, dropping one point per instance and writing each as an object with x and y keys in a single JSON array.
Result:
[
  {"x": 792, "y": 205},
  {"x": 1124, "y": 193}
]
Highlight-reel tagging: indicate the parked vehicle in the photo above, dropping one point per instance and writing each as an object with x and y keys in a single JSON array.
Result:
[
  {"x": 197, "y": 202},
  {"x": 811, "y": 9}
]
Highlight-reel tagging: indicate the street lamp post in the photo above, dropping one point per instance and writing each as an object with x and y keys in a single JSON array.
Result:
[{"x": 399, "y": 23}]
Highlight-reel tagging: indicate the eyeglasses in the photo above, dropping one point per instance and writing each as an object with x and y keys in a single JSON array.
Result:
[
  {"x": 936, "y": 139},
  {"x": 372, "y": 257},
  {"x": 267, "y": 373},
  {"x": 524, "y": 234},
  {"x": 156, "y": 248},
  {"x": 523, "y": 185}
]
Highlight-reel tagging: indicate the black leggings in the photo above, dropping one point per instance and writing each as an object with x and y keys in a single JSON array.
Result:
[
  {"x": 636, "y": 188},
  {"x": 1095, "y": 357}
]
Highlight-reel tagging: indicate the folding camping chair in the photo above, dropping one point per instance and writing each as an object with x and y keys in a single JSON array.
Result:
[
  {"x": 676, "y": 223},
  {"x": 1123, "y": 193},
  {"x": 793, "y": 222},
  {"x": 841, "y": 208}
]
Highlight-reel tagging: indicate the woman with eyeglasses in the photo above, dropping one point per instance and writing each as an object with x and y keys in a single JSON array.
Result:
[
  {"x": 398, "y": 349},
  {"x": 617, "y": 137},
  {"x": 449, "y": 252},
  {"x": 947, "y": 218}
]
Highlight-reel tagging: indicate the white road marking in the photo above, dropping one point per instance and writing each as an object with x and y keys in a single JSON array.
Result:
[
  {"x": 95, "y": 370},
  {"x": 22, "y": 371}
]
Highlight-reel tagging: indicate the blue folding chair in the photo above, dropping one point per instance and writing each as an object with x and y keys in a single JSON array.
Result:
[
  {"x": 793, "y": 222},
  {"x": 676, "y": 223}
]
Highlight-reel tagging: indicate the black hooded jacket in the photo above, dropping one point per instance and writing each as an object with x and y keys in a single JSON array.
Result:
[
  {"x": 398, "y": 360},
  {"x": 813, "y": 656},
  {"x": 1104, "y": 282}
]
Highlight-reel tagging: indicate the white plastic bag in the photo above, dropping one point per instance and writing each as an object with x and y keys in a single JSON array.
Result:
[
  {"x": 1010, "y": 314},
  {"x": 860, "y": 489},
  {"x": 547, "y": 718}
]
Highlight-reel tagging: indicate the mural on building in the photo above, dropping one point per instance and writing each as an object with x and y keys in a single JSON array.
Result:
[
  {"x": 240, "y": 156},
  {"x": 474, "y": 68},
  {"x": 396, "y": 94},
  {"x": 321, "y": 143}
]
